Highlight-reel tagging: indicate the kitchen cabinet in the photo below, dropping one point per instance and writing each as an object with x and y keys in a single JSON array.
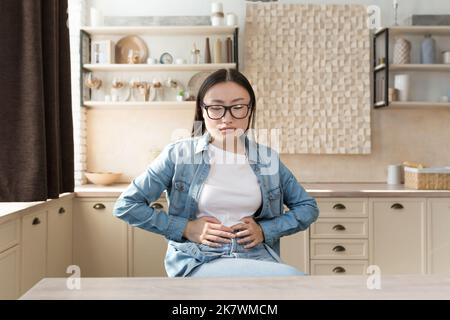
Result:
[
  {"x": 399, "y": 235},
  {"x": 9, "y": 273},
  {"x": 339, "y": 242},
  {"x": 34, "y": 248},
  {"x": 438, "y": 236},
  {"x": 59, "y": 238},
  {"x": 148, "y": 250},
  {"x": 100, "y": 240},
  {"x": 294, "y": 250}
]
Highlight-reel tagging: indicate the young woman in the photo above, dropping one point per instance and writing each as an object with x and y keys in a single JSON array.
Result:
[{"x": 226, "y": 192}]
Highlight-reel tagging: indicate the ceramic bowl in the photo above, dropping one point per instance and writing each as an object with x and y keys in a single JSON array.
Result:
[{"x": 103, "y": 178}]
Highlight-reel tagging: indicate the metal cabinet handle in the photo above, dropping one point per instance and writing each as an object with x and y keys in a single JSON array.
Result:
[
  {"x": 339, "y": 249},
  {"x": 397, "y": 206},
  {"x": 339, "y": 227},
  {"x": 338, "y": 206},
  {"x": 99, "y": 206},
  {"x": 61, "y": 210},
  {"x": 339, "y": 270},
  {"x": 36, "y": 221},
  {"x": 156, "y": 205}
]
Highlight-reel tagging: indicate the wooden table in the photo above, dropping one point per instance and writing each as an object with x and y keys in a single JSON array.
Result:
[{"x": 296, "y": 288}]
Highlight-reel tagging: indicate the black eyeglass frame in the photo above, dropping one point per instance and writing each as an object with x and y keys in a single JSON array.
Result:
[{"x": 227, "y": 108}]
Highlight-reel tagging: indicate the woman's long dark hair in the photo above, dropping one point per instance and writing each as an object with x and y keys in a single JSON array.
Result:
[{"x": 219, "y": 76}]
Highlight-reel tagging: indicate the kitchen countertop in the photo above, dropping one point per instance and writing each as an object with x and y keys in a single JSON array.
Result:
[
  {"x": 267, "y": 288},
  {"x": 10, "y": 208},
  {"x": 317, "y": 190},
  {"x": 314, "y": 189}
]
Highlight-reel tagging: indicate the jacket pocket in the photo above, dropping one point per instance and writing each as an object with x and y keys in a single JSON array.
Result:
[{"x": 178, "y": 196}]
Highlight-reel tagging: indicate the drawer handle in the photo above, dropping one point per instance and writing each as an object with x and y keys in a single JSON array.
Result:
[
  {"x": 338, "y": 206},
  {"x": 36, "y": 221},
  {"x": 397, "y": 206},
  {"x": 99, "y": 206},
  {"x": 339, "y": 249},
  {"x": 61, "y": 210},
  {"x": 156, "y": 205},
  {"x": 339, "y": 227},
  {"x": 339, "y": 270}
]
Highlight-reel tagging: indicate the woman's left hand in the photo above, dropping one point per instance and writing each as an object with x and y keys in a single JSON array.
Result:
[{"x": 250, "y": 232}]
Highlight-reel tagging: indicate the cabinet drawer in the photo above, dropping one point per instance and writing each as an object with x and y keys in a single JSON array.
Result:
[
  {"x": 336, "y": 267},
  {"x": 9, "y": 234},
  {"x": 343, "y": 207},
  {"x": 340, "y": 228},
  {"x": 339, "y": 249}
]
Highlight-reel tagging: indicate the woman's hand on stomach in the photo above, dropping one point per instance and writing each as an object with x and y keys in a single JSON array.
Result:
[
  {"x": 208, "y": 231},
  {"x": 249, "y": 232}
]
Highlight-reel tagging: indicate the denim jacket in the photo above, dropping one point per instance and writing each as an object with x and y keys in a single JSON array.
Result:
[{"x": 181, "y": 170}]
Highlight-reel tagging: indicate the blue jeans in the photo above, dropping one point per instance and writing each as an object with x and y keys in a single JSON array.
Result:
[
  {"x": 233, "y": 260},
  {"x": 238, "y": 267}
]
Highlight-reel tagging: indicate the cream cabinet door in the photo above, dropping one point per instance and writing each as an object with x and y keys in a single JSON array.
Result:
[
  {"x": 34, "y": 249},
  {"x": 399, "y": 235},
  {"x": 148, "y": 250},
  {"x": 9, "y": 273},
  {"x": 100, "y": 239},
  {"x": 59, "y": 237},
  {"x": 294, "y": 250},
  {"x": 439, "y": 236}
]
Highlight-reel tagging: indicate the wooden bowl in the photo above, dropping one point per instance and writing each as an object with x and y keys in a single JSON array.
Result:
[{"x": 103, "y": 178}]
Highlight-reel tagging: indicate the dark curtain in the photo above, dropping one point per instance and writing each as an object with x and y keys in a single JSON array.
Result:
[{"x": 36, "y": 130}]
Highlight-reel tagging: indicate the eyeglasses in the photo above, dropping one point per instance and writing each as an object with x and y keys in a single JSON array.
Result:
[{"x": 237, "y": 111}]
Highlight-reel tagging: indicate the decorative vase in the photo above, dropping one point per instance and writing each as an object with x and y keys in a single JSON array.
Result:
[
  {"x": 428, "y": 50},
  {"x": 402, "y": 51},
  {"x": 401, "y": 83}
]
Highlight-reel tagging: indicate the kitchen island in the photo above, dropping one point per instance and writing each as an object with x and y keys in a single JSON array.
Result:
[{"x": 267, "y": 288}]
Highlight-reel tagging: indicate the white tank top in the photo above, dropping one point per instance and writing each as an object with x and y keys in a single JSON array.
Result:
[{"x": 231, "y": 190}]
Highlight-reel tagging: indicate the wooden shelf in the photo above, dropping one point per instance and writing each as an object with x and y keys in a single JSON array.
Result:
[
  {"x": 418, "y": 104},
  {"x": 420, "y": 67},
  {"x": 148, "y": 105},
  {"x": 159, "y": 67},
  {"x": 420, "y": 30},
  {"x": 161, "y": 30}
]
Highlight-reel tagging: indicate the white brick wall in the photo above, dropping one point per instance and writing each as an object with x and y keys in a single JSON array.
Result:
[{"x": 78, "y": 15}]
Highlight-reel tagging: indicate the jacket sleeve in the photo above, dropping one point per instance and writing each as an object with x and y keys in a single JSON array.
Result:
[
  {"x": 133, "y": 204},
  {"x": 303, "y": 209}
]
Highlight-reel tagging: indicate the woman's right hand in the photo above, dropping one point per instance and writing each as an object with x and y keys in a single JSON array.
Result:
[{"x": 208, "y": 231}]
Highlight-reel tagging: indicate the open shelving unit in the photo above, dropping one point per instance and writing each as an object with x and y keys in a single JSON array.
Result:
[
  {"x": 86, "y": 34},
  {"x": 386, "y": 68}
]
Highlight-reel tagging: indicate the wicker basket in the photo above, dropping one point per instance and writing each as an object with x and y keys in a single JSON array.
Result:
[{"x": 428, "y": 178}]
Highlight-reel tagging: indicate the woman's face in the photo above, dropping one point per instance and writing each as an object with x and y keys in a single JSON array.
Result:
[{"x": 226, "y": 94}]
